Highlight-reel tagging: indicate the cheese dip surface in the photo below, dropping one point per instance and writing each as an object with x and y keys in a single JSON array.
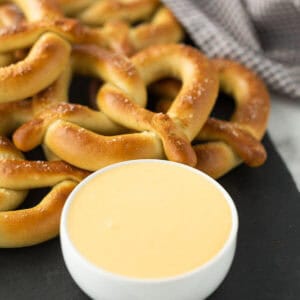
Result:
[{"x": 149, "y": 220}]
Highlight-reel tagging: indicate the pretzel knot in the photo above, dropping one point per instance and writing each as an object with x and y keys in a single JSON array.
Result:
[
  {"x": 225, "y": 144},
  {"x": 25, "y": 227},
  {"x": 123, "y": 100},
  {"x": 118, "y": 18}
]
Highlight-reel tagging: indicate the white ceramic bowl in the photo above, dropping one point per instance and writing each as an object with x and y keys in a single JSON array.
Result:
[{"x": 195, "y": 285}]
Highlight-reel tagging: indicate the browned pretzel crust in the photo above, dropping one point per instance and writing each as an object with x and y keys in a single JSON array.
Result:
[
  {"x": 37, "y": 71},
  {"x": 25, "y": 227},
  {"x": 225, "y": 144},
  {"x": 241, "y": 135},
  {"x": 123, "y": 99},
  {"x": 157, "y": 24}
]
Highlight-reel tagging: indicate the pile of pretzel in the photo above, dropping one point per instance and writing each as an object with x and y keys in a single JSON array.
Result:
[{"x": 129, "y": 45}]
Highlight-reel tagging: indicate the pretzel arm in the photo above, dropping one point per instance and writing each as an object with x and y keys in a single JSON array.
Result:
[
  {"x": 24, "y": 227},
  {"x": 163, "y": 29},
  {"x": 31, "y": 134},
  {"x": 14, "y": 173},
  {"x": 130, "y": 11},
  {"x": 38, "y": 70},
  {"x": 190, "y": 109},
  {"x": 35, "y": 10},
  {"x": 31, "y": 226},
  {"x": 99, "y": 151},
  {"x": 73, "y": 7},
  {"x": 243, "y": 143},
  {"x": 10, "y": 198}
]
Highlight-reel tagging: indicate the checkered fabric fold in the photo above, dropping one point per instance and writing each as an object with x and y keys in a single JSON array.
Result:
[{"x": 262, "y": 34}]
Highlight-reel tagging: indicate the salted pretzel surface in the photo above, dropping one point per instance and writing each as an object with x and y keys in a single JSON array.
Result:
[
  {"x": 14, "y": 114},
  {"x": 225, "y": 144},
  {"x": 123, "y": 100},
  {"x": 10, "y": 198},
  {"x": 25, "y": 227},
  {"x": 118, "y": 18},
  {"x": 117, "y": 34},
  {"x": 42, "y": 17},
  {"x": 242, "y": 134},
  {"x": 37, "y": 71}
]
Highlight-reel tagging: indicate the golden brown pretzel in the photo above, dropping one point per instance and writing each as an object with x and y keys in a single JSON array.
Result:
[
  {"x": 36, "y": 10},
  {"x": 14, "y": 114},
  {"x": 25, "y": 227},
  {"x": 81, "y": 115},
  {"x": 9, "y": 16},
  {"x": 45, "y": 16},
  {"x": 101, "y": 12},
  {"x": 123, "y": 100},
  {"x": 73, "y": 7},
  {"x": 10, "y": 198},
  {"x": 37, "y": 71},
  {"x": 241, "y": 135},
  {"x": 228, "y": 143},
  {"x": 161, "y": 29},
  {"x": 158, "y": 24},
  {"x": 25, "y": 35}
]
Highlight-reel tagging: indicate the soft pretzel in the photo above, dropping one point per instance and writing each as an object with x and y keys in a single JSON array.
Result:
[
  {"x": 162, "y": 28},
  {"x": 25, "y": 35},
  {"x": 14, "y": 114},
  {"x": 37, "y": 71},
  {"x": 10, "y": 198},
  {"x": 101, "y": 12},
  {"x": 118, "y": 18},
  {"x": 123, "y": 100},
  {"x": 45, "y": 16},
  {"x": 9, "y": 16},
  {"x": 73, "y": 7},
  {"x": 228, "y": 143},
  {"x": 25, "y": 227},
  {"x": 241, "y": 135},
  {"x": 36, "y": 10},
  {"x": 78, "y": 114}
]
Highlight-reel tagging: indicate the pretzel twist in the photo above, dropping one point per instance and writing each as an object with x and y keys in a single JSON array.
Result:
[
  {"x": 14, "y": 114},
  {"x": 36, "y": 10},
  {"x": 42, "y": 17},
  {"x": 118, "y": 18},
  {"x": 123, "y": 100},
  {"x": 241, "y": 135},
  {"x": 116, "y": 34},
  {"x": 225, "y": 144},
  {"x": 163, "y": 28},
  {"x": 25, "y": 227},
  {"x": 37, "y": 71}
]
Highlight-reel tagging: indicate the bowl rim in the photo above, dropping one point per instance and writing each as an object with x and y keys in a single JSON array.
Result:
[{"x": 231, "y": 239}]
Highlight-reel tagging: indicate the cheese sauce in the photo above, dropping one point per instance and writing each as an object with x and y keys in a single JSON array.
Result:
[{"x": 149, "y": 220}]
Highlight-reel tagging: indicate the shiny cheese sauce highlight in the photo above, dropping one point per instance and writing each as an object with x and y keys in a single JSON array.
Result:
[{"x": 149, "y": 220}]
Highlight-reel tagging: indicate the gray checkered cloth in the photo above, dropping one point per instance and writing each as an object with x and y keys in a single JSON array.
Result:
[{"x": 262, "y": 34}]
